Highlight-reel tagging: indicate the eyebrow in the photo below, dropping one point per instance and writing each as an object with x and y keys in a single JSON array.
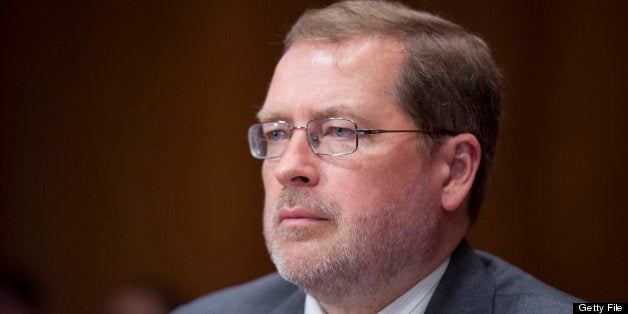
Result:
[
  {"x": 265, "y": 116},
  {"x": 331, "y": 111}
]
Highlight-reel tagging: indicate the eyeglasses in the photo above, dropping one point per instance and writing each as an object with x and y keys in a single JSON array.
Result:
[{"x": 326, "y": 136}]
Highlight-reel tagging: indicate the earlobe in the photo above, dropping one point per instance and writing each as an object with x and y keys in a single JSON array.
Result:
[{"x": 463, "y": 154}]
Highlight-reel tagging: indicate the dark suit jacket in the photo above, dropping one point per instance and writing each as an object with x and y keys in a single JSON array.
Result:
[{"x": 474, "y": 282}]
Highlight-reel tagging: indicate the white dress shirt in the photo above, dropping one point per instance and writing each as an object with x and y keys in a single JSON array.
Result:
[{"x": 413, "y": 301}]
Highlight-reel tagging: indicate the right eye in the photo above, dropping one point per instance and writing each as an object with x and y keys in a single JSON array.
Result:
[{"x": 276, "y": 134}]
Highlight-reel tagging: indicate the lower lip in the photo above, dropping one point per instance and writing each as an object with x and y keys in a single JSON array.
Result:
[{"x": 288, "y": 222}]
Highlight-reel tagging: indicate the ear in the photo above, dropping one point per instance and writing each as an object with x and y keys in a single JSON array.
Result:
[{"x": 462, "y": 155}]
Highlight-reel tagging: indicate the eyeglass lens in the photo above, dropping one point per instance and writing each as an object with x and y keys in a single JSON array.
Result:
[{"x": 328, "y": 136}]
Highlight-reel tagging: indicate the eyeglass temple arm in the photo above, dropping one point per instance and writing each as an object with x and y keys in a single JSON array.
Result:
[{"x": 375, "y": 131}]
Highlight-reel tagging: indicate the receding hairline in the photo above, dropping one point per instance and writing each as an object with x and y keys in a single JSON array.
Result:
[
  {"x": 343, "y": 53},
  {"x": 338, "y": 22}
]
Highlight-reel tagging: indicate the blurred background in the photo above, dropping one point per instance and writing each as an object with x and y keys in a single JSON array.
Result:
[{"x": 123, "y": 155}]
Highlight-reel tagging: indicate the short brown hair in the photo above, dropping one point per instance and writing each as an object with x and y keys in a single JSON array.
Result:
[{"x": 447, "y": 82}]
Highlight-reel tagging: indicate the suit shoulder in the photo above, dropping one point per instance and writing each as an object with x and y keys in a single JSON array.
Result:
[
  {"x": 258, "y": 296},
  {"x": 519, "y": 292}
]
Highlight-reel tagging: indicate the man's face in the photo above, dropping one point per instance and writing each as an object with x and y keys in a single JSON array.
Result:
[{"x": 337, "y": 222}]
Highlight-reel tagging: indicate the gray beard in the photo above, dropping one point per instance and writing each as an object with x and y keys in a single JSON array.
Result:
[{"x": 363, "y": 256}]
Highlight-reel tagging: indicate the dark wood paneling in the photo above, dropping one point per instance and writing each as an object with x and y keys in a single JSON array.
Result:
[{"x": 123, "y": 149}]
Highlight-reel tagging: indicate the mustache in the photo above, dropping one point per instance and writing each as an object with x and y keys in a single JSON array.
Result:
[{"x": 303, "y": 197}]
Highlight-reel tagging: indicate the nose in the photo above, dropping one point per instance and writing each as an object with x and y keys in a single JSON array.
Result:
[{"x": 298, "y": 164}]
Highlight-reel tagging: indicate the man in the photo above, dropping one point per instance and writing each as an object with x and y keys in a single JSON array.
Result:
[{"x": 377, "y": 135}]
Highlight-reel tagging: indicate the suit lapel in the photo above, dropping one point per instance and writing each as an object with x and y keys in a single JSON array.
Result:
[
  {"x": 295, "y": 303},
  {"x": 466, "y": 286}
]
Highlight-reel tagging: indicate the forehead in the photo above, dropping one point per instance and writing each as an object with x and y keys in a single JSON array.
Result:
[{"x": 353, "y": 79}]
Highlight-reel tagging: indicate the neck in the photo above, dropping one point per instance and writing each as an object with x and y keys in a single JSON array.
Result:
[
  {"x": 362, "y": 302},
  {"x": 373, "y": 294}
]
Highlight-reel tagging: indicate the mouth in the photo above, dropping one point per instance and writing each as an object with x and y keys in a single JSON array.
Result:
[{"x": 299, "y": 217}]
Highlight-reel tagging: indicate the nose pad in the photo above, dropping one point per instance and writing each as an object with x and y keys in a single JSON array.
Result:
[{"x": 314, "y": 141}]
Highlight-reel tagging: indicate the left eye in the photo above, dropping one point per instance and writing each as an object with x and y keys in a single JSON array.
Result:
[
  {"x": 342, "y": 132},
  {"x": 339, "y": 132}
]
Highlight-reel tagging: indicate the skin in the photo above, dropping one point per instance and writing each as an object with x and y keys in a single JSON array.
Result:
[{"x": 357, "y": 231}]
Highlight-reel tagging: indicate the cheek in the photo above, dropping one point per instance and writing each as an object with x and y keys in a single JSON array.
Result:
[
  {"x": 268, "y": 178},
  {"x": 272, "y": 188},
  {"x": 383, "y": 178},
  {"x": 358, "y": 190},
  {"x": 385, "y": 184}
]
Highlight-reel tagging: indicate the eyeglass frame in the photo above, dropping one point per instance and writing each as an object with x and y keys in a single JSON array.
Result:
[{"x": 358, "y": 132}]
